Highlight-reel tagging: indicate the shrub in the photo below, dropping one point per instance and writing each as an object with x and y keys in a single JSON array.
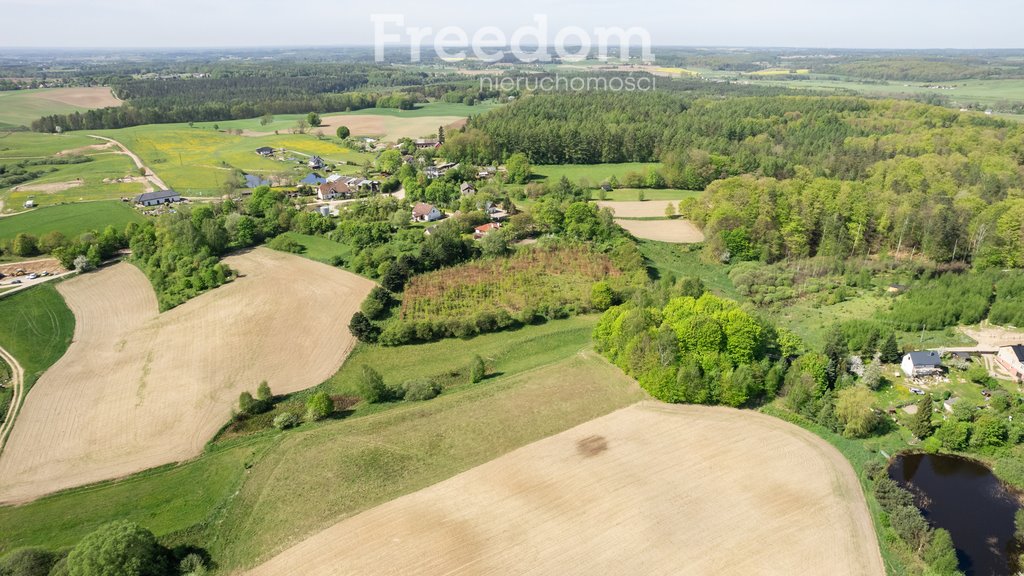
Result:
[
  {"x": 286, "y": 244},
  {"x": 371, "y": 386},
  {"x": 890, "y": 495},
  {"x": 421, "y": 389},
  {"x": 910, "y": 526},
  {"x": 82, "y": 263},
  {"x": 263, "y": 393},
  {"x": 941, "y": 555},
  {"x": 319, "y": 406},
  {"x": 247, "y": 404},
  {"x": 28, "y": 562},
  {"x": 285, "y": 420},
  {"x": 363, "y": 329},
  {"x": 477, "y": 369},
  {"x": 601, "y": 296},
  {"x": 192, "y": 565}
]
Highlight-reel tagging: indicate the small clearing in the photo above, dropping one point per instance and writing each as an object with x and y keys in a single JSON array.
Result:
[
  {"x": 671, "y": 231},
  {"x": 649, "y": 489},
  {"x": 49, "y": 187},
  {"x": 645, "y": 209},
  {"x": 138, "y": 389}
]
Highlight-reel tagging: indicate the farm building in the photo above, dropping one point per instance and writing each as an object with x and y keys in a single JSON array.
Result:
[
  {"x": 922, "y": 363},
  {"x": 427, "y": 143},
  {"x": 438, "y": 171},
  {"x": 315, "y": 163},
  {"x": 265, "y": 151},
  {"x": 1012, "y": 358},
  {"x": 332, "y": 190},
  {"x": 423, "y": 212},
  {"x": 466, "y": 189},
  {"x": 481, "y": 231},
  {"x": 157, "y": 198}
]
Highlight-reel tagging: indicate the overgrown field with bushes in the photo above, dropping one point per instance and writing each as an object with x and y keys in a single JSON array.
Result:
[{"x": 493, "y": 294}]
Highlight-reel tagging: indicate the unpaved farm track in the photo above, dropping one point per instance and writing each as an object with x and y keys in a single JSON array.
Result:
[
  {"x": 18, "y": 386},
  {"x": 153, "y": 181},
  {"x": 650, "y": 489},
  {"x": 137, "y": 389}
]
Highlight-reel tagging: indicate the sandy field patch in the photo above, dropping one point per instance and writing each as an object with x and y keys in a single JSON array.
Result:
[
  {"x": 645, "y": 209},
  {"x": 86, "y": 149},
  {"x": 51, "y": 265},
  {"x": 990, "y": 336},
  {"x": 50, "y": 187},
  {"x": 674, "y": 231},
  {"x": 650, "y": 489},
  {"x": 390, "y": 128},
  {"x": 88, "y": 97},
  {"x": 137, "y": 389}
]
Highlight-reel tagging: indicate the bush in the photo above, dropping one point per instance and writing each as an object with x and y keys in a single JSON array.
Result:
[
  {"x": 263, "y": 393},
  {"x": 376, "y": 303},
  {"x": 28, "y": 562},
  {"x": 192, "y": 565},
  {"x": 601, "y": 296},
  {"x": 286, "y": 244},
  {"x": 421, "y": 389},
  {"x": 941, "y": 555},
  {"x": 477, "y": 369},
  {"x": 285, "y": 420},
  {"x": 319, "y": 406},
  {"x": 123, "y": 548},
  {"x": 910, "y": 526},
  {"x": 371, "y": 386},
  {"x": 363, "y": 329}
]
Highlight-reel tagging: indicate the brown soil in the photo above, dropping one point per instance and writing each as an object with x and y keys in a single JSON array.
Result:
[
  {"x": 138, "y": 389},
  {"x": 650, "y": 489}
]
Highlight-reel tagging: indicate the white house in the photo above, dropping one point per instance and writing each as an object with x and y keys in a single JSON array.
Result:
[
  {"x": 1012, "y": 358},
  {"x": 157, "y": 198},
  {"x": 922, "y": 363},
  {"x": 423, "y": 212}
]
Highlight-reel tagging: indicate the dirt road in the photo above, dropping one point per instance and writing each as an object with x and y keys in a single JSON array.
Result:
[
  {"x": 153, "y": 181},
  {"x": 17, "y": 384}
]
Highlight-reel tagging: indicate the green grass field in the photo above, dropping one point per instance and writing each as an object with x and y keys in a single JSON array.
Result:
[
  {"x": 90, "y": 175},
  {"x": 319, "y": 248},
  {"x": 70, "y": 219},
  {"x": 595, "y": 173},
  {"x": 258, "y": 494},
  {"x": 15, "y": 145},
  {"x": 632, "y": 194},
  {"x": 684, "y": 260},
  {"x": 36, "y": 327}
]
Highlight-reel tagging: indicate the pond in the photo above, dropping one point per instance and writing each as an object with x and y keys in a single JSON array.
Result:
[{"x": 965, "y": 498}]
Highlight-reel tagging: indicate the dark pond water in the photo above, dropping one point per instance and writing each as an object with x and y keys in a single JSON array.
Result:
[{"x": 965, "y": 498}]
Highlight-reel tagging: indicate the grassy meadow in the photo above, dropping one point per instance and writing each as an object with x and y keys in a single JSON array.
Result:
[
  {"x": 70, "y": 219},
  {"x": 633, "y": 194},
  {"x": 247, "y": 498},
  {"x": 595, "y": 173},
  {"x": 36, "y": 327},
  {"x": 198, "y": 161}
]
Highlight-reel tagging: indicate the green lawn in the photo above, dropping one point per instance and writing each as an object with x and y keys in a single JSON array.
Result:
[
  {"x": 36, "y": 328},
  {"x": 319, "y": 248},
  {"x": 684, "y": 260},
  {"x": 632, "y": 194},
  {"x": 37, "y": 145},
  {"x": 250, "y": 497},
  {"x": 70, "y": 219},
  {"x": 595, "y": 173}
]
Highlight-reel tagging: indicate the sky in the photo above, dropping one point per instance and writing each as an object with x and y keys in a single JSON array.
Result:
[{"x": 770, "y": 23}]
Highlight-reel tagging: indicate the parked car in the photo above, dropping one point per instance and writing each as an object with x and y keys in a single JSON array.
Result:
[
  {"x": 33, "y": 276},
  {"x": 917, "y": 391},
  {"x": 15, "y": 281},
  {"x": 44, "y": 273}
]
